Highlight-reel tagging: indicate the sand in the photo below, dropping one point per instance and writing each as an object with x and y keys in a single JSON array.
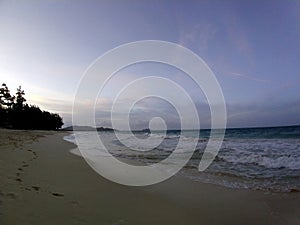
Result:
[{"x": 41, "y": 182}]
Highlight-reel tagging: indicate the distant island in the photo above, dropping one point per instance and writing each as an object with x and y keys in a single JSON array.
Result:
[
  {"x": 105, "y": 129},
  {"x": 147, "y": 130},
  {"x": 16, "y": 114},
  {"x": 87, "y": 128}
]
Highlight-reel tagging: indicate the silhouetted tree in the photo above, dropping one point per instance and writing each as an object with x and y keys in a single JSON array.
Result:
[
  {"x": 6, "y": 102},
  {"x": 6, "y": 99},
  {"x": 19, "y": 98},
  {"x": 15, "y": 114}
]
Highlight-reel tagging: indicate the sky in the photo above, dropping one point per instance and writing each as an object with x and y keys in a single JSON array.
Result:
[{"x": 252, "y": 47}]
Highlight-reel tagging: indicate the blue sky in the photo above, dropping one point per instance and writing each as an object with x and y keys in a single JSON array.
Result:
[{"x": 251, "y": 46}]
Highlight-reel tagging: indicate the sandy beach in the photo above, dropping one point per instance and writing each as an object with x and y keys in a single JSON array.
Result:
[{"x": 41, "y": 182}]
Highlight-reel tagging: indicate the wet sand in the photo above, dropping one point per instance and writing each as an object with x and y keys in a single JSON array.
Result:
[{"x": 41, "y": 182}]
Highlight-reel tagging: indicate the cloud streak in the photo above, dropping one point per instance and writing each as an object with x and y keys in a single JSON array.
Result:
[{"x": 248, "y": 77}]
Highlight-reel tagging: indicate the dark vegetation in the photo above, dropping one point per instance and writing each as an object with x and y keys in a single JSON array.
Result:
[{"x": 16, "y": 114}]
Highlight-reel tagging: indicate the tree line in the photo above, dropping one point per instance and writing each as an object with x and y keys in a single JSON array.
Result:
[{"x": 15, "y": 113}]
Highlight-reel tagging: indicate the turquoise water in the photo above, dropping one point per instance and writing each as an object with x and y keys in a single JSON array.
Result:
[{"x": 252, "y": 158}]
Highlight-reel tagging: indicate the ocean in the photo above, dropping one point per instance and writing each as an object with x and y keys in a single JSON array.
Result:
[{"x": 265, "y": 159}]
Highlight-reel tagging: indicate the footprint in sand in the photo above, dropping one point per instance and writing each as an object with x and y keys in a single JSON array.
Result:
[
  {"x": 57, "y": 194},
  {"x": 36, "y": 188},
  {"x": 19, "y": 180},
  {"x": 34, "y": 153}
]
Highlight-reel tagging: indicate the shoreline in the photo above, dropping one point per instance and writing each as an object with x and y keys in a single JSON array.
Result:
[{"x": 45, "y": 183}]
